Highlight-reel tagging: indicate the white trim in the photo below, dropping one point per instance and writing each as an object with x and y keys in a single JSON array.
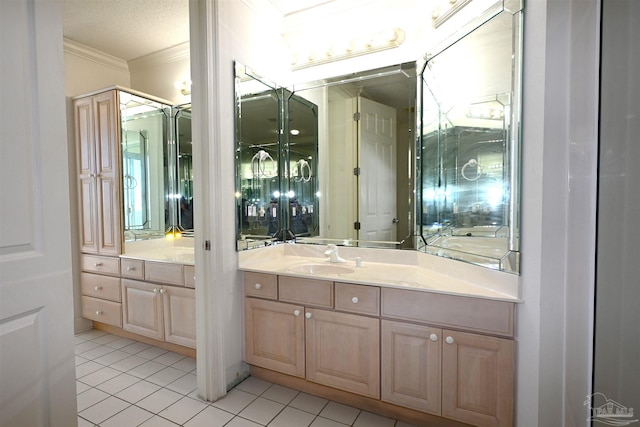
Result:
[
  {"x": 172, "y": 54},
  {"x": 90, "y": 54},
  {"x": 210, "y": 298}
]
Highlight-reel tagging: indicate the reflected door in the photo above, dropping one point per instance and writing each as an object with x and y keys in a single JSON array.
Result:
[{"x": 377, "y": 152}]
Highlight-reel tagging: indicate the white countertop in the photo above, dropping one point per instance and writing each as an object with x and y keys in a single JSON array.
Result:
[
  {"x": 386, "y": 267},
  {"x": 179, "y": 251}
]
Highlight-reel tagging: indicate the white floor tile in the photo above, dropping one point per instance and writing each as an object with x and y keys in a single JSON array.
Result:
[
  {"x": 80, "y": 360},
  {"x": 367, "y": 419},
  {"x": 111, "y": 358},
  {"x": 120, "y": 343},
  {"x": 159, "y": 400},
  {"x": 183, "y": 410},
  {"x": 254, "y": 386},
  {"x": 100, "y": 376},
  {"x": 280, "y": 394},
  {"x": 188, "y": 364},
  {"x": 325, "y": 422},
  {"x": 118, "y": 383},
  {"x": 210, "y": 417},
  {"x": 130, "y": 417},
  {"x": 106, "y": 338},
  {"x": 184, "y": 385},
  {"x": 81, "y": 387},
  {"x": 135, "y": 347},
  {"x": 146, "y": 369},
  {"x": 169, "y": 358},
  {"x": 138, "y": 391},
  {"x": 241, "y": 422},
  {"x": 96, "y": 352},
  {"x": 291, "y": 417},
  {"x": 128, "y": 363},
  {"x": 84, "y": 423},
  {"x": 340, "y": 413},
  {"x": 90, "y": 397},
  {"x": 91, "y": 334},
  {"x": 309, "y": 403},
  {"x": 87, "y": 368},
  {"x": 85, "y": 346},
  {"x": 104, "y": 409},
  {"x": 158, "y": 422},
  {"x": 165, "y": 376},
  {"x": 235, "y": 401},
  {"x": 261, "y": 411},
  {"x": 151, "y": 353}
]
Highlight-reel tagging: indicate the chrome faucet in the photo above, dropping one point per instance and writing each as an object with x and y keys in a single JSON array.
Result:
[{"x": 332, "y": 252}]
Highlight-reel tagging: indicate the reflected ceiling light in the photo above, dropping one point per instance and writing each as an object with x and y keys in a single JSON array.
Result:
[
  {"x": 445, "y": 10},
  {"x": 345, "y": 49},
  {"x": 184, "y": 87},
  {"x": 294, "y": 132}
]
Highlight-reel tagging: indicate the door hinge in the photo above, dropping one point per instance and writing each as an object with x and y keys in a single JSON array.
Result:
[
  {"x": 356, "y": 225},
  {"x": 356, "y": 117},
  {"x": 207, "y": 245},
  {"x": 356, "y": 171}
]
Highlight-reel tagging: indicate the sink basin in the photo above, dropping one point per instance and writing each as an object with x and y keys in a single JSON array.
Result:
[{"x": 321, "y": 269}]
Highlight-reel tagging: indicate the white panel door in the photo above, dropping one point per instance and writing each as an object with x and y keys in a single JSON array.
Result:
[
  {"x": 377, "y": 183},
  {"x": 37, "y": 369}
]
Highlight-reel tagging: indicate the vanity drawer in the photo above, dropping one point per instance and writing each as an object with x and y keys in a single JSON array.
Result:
[
  {"x": 305, "y": 291},
  {"x": 359, "y": 299},
  {"x": 101, "y": 264},
  {"x": 261, "y": 285},
  {"x": 474, "y": 314},
  {"x": 132, "y": 268},
  {"x": 99, "y": 286},
  {"x": 163, "y": 272},
  {"x": 103, "y": 311},
  {"x": 189, "y": 276}
]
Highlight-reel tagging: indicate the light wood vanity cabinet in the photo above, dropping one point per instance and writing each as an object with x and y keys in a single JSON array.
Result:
[
  {"x": 446, "y": 355},
  {"x": 97, "y": 134},
  {"x": 100, "y": 289},
  {"x": 164, "y": 313}
]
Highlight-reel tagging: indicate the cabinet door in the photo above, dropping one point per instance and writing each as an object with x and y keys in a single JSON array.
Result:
[
  {"x": 274, "y": 337},
  {"x": 477, "y": 379},
  {"x": 343, "y": 351},
  {"x": 411, "y": 365},
  {"x": 179, "y": 315},
  {"x": 142, "y": 309},
  {"x": 86, "y": 168},
  {"x": 107, "y": 137}
]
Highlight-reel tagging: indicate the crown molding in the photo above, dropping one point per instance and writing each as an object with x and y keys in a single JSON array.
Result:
[
  {"x": 90, "y": 54},
  {"x": 172, "y": 54}
]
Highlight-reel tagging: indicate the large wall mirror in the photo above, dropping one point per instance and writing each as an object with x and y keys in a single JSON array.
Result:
[
  {"x": 157, "y": 171},
  {"x": 421, "y": 155}
]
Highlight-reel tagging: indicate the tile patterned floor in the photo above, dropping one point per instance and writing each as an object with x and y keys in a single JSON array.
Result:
[{"x": 124, "y": 383}]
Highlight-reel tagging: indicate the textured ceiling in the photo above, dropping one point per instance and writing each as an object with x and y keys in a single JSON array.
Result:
[
  {"x": 130, "y": 29},
  {"x": 127, "y": 29}
]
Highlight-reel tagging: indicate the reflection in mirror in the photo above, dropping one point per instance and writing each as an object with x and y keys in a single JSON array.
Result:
[
  {"x": 469, "y": 147},
  {"x": 366, "y": 145},
  {"x": 258, "y": 190},
  {"x": 184, "y": 145},
  {"x": 144, "y": 166}
]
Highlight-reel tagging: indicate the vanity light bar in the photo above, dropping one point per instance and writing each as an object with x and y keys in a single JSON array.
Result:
[
  {"x": 441, "y": 13},
  {"x": 338, "y": 51}
]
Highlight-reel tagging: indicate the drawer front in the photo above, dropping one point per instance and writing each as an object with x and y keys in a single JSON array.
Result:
[
  {"x": 101, "y": 264},
  {"x": 163, "y": 272},
  {"x": 132, "y": 268},
  {"x": 99, "y": 286},
  {"x": 358, "y": 298},
  {"x": 103, "y": 311},
  {"x": 474, "y": 314},
  {"x": 305, "y": 291},
  {"x": 261, "y": 285},
  {"x": 189, "y": 276}
]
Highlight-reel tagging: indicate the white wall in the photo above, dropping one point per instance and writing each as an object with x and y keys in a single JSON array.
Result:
[{"x": 617, "y": 352}]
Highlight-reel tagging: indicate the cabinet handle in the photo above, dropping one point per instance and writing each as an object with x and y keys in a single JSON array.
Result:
[
  {"x": 97, "y": 265},
  {"x": 308, "y": 315},
  {"x": 131, "y": 268},
  {"x": 258, "y": 285},
  {"x": 449, "y": 340},
  {"x": 354, "y": 300},
  {"x": 98, "y": 312},
  {"x": 97, "y": 288},
  {"x": 434, "y": 337},
  {"x": 296, "y": 313},
  {"x": 163, "y": 291}
]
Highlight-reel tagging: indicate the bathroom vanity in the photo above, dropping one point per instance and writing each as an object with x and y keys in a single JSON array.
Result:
[{"x": 392, "y": 336}]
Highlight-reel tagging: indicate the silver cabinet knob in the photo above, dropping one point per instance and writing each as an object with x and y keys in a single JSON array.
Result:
[
  {"x": 131, "y": 268},
  {"x": 97, "y": 288},
  {"x": 354, "y": 300},
  {"x": 97, "y": 265},
  {"x": 433, "y": 337},
  {"x": 307, "y": 315},
  {"x": 258, "y": 286},
  {"x": 449, "y": 340},
  {"x": 296, "y": 313},
  {"x": 163, "y": 291},
  {"x": 155, "y": 291},
  {"x": 98, "y": 312}
]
